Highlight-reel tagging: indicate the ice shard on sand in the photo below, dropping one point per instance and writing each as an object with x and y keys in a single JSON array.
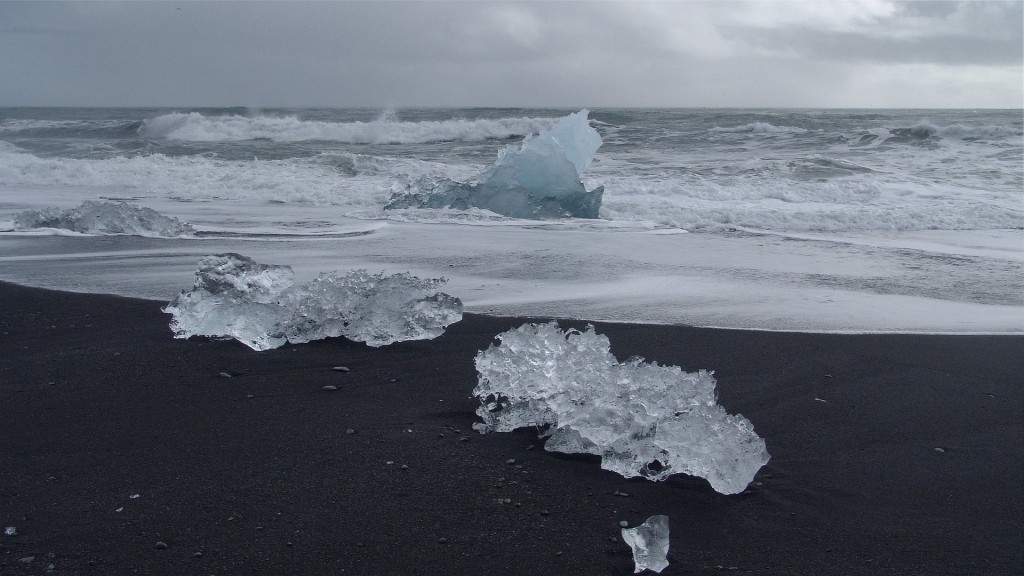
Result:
[
  {"x": 641, "y": 418},
  {"x": 649, "y": 542},
  {"x": 234, "y": 296},
  {"x": 538, "y": 179}
]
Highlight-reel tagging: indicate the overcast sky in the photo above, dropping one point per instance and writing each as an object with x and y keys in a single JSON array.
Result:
[{"x": 872, "y": 53}]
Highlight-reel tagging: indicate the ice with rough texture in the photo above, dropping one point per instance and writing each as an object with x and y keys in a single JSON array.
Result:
[
  {"x": 94, "y": 217},
  {"x": 643, "y": 419},
  {"x": 234, "y": 296},
  {"x": 649, "y": 542},
  {"x": 539, "y": 179}
]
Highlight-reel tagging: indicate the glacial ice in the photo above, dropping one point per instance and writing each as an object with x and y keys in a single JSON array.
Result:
[
  {"x": 649, "y": 542},
  {"x": 643, "y": 419},
  {"x": 539, "y": 179},
  {"x": 94, "y": 217},
  {"x": 234, "y": 296}
]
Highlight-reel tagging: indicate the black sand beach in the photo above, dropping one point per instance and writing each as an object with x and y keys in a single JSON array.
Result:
[{"x": 891, "y": 454}]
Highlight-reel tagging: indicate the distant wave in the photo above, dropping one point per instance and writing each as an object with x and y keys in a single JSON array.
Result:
[
  {"x": 196, "y": 127},
  {"x": 68, "y": 128},
  {"x": 758, "y": 128},
  {"x": 927, "y": 129}
]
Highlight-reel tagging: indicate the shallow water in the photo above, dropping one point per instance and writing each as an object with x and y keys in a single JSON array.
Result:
[{"x": 788, "y": 220}]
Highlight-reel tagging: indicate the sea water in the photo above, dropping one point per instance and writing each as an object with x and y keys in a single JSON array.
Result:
[{"x": 820, "y": 220}]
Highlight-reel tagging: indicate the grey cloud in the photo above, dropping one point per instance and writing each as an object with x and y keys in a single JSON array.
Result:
[{"x": 479, "y": 53}]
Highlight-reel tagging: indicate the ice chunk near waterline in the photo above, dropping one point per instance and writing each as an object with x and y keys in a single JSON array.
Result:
[
  {"x": 539, "y": 179},
  {"x": 649, "y": 542},
  {"x": 643, "y": 419},
  {"x": 234, "y": 296},
  {"x": 94, "y": 217}
]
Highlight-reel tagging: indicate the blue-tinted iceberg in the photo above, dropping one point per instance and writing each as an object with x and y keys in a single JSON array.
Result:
[
  {"x": 94, "y": 217},
  {"x": 643, "y": 419},
  {"x": 649, "y": 542},
  {"x": 539, "y": 179},
  {"x": 234, "y": 296}
]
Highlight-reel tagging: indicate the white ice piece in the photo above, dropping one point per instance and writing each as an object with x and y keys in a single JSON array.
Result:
[
  {"x": 643, "y": 419},
  {"x": 539, "y": 179},
  {"x": 94, "y": 217},
  {"x": 649, "y": 542},
  {"x": 235, "y": 297},
  {"x": 10, "y": 531}
]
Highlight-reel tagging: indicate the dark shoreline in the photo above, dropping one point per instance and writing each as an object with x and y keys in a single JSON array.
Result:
[{"x": 258, "y": 474}]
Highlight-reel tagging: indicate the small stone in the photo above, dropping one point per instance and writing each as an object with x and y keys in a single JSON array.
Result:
[
  {"x": 250, "y": 396},
  {"x": 27, "y": 559},
  {"x": 340, "y": 369},
  {"x": 622, "y": 494},
  {"x": 464, "y": 439},
  {"x": 442, "y": 540},
  {"x": 404, "y": 467},
  {"x": 939, "y": 450},
  {"x": 197, "y": 555},
  {"x": 510, "y": 461},
  {"x": 623, "y": 523},
  {"x": 224, "y": 375},
  {"x": 330, "y": 388},
  {"x": 161, "y": 546},
  {"x": 289, "y": 544},
  {"x": 559, "y": 553},
  {"x": 134, "y": 496},
  {"x": 351, "y": 431},
  {"x": 507, "y": 500},
  {"x": 545, "y": 513}
]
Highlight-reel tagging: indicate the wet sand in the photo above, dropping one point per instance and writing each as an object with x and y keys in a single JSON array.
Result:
[{"x": 891, "y": 454}]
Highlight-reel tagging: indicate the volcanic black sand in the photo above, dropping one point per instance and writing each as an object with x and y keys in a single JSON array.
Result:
[{"x": 891, "y": 454}]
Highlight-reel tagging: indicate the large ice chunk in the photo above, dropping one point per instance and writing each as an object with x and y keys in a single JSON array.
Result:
[
  {"x": 539, "y": 179},
  {"x": 233, "y": 296},
  {"x": 649, "y": 542},
  {"x": 94, "y": 217},
  {"x": 643, "y": 419}
]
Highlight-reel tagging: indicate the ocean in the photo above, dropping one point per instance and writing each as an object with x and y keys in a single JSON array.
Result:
[{"x": 801, "y": 220}]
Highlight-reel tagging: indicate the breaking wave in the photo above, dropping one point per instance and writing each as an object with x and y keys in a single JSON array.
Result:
[
  {"x": 387, "y": 129},
  {"x": 758, "y": 128}
]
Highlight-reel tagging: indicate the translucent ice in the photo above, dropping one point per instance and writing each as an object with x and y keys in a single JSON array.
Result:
[
  {"x": 649, "y": 542},
  {"x": 235, "y": 297},
  {"x": 94, "y": 217},
  {"x": 539, "y": 179},
  {"x": 641, "y": 418}
]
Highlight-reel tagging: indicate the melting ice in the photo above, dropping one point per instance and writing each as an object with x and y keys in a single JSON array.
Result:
[
  {"x": 649, "y": 542},
  {"x": 540, "y": 179},
  {"x": 236, "y": 297},
  {"x": 641, "y": 418},
  {"x": 94, "y": 217}
]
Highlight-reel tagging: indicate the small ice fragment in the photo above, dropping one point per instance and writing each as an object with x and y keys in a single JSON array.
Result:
[
  {"x": 234, "y": 296},
  {"x": 10, "y": 531},
  {"x": 121, "y": 509},
  {"x": 134, "y": 496},
  {"x": 94, "y": 217},
  {"x": 649, "y": 542}
]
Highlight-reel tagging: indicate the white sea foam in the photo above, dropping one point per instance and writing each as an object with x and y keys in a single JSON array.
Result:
[
  {"x": 197, "y": 127},
  {"x": 758, "y": 128}
]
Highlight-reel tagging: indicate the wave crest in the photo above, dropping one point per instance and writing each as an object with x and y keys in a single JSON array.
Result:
[
  {"x": 387, "y": 129},
  {"x": 758, "y": 128}
]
